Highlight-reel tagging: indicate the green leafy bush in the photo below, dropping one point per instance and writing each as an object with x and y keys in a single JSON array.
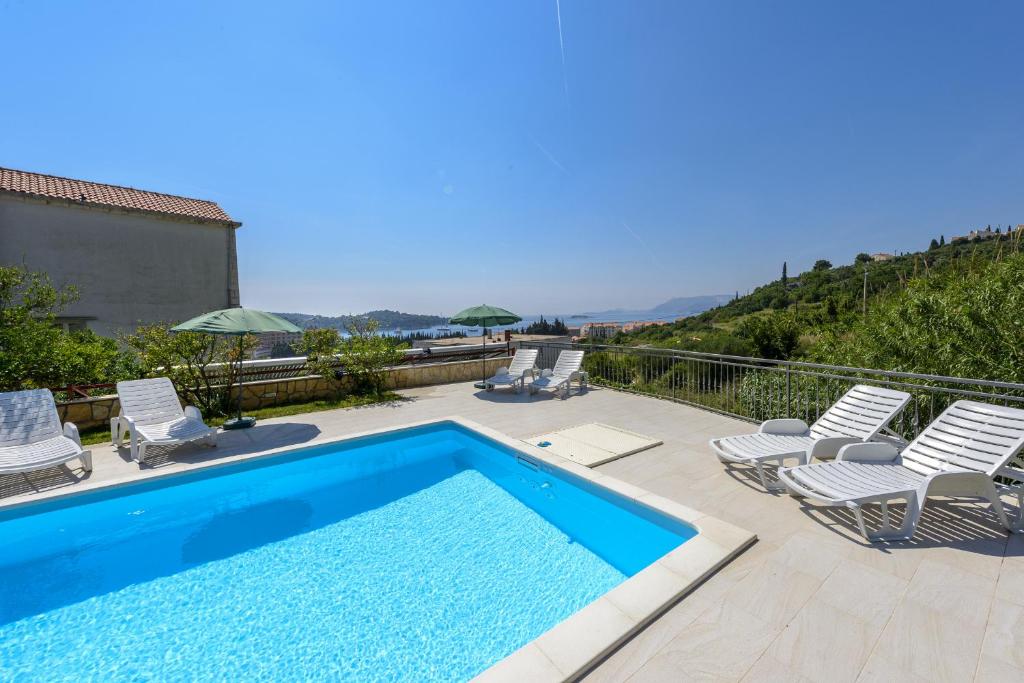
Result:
[
  {"x": 366, "y": 357},
  {"x": 202, "y": 366},
  {"x": 965, "y": 322},
  {"x": 36, "y": 352}
]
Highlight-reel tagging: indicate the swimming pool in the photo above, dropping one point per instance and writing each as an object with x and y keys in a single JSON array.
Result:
[{"x": 423, "y": 554}]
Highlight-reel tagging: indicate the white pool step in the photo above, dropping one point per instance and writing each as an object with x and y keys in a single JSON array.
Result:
[{"x": 594, "y": 443}]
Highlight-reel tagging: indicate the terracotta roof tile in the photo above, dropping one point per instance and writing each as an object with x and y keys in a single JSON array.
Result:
[{"x": 111, "y": 196}]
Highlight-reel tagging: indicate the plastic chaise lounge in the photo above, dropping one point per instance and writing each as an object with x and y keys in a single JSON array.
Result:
[
  {"x": 151, "y": 412},
  {"x": 957, "y": 455},
  {"x": 560, "y": 377},
  {"x": 515, "y": 374},
  {"x": 31, "y": 437},
  {"x": 859, "y": 415}
]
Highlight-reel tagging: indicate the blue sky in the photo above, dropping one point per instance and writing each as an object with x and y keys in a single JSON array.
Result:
[{"x": 428, "y": 156}]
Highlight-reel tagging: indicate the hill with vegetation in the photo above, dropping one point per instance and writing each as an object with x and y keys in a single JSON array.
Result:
[
  {"x": 952, "y": 309},
  {"x": 387, "y": 320}
]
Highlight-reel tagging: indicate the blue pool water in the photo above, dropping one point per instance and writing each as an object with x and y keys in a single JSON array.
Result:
[{"x": 424, "y": 554}]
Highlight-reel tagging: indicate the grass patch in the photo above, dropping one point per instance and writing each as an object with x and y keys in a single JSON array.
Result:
[{"x": 97, "y": 435}]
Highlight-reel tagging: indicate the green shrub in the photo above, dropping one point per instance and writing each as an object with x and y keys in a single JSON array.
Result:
[{"x": 202, "y": 366}]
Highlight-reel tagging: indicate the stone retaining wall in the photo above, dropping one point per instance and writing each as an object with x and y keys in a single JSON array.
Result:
[{"x": 97, "y": 411}]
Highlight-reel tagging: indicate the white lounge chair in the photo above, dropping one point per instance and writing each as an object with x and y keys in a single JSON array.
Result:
[
  {"x": 515, "y": 374},
  {"x": 560, "y": 377},
  {"x": 151, "y": 412},
  {"x": 956, "y": 455},
  {"x": 859, "y": 415},
  {"x": 31, "y": 437}
]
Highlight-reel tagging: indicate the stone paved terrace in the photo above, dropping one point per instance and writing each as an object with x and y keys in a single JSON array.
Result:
[{"x": 810, "y": 601}]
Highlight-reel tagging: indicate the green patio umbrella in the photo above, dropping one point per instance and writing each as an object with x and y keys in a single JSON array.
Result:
[
  {"x": 238, "y": 322},
  {"x": 484, "y": 316}
]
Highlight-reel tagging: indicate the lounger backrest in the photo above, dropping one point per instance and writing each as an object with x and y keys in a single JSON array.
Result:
[
  {"x": 149, "y": 401},
  {"x": 860, "y": 413},
  {"x": 568, "y": 362},
  {"x": 968, "y": 435},
  {"x": 522, "y": 361},
  {"x": 28, "y": 417}
]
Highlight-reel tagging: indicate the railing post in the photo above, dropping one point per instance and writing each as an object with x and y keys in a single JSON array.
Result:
[{"x": 789, "y": 394}]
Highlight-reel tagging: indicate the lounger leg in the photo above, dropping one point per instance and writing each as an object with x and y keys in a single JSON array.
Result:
[
  {"x": 997, "y": 505},
  {"x": 859, "y": 515},
  {"x": 1018, "y": 526},
  {"x": 906, "y": 530},
  {"x": 115, "y": 431},
  {"x": 86, "y": 458},
  {"x": 771, "y": 486}
]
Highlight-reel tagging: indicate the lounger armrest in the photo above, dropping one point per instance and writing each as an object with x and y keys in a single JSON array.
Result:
[
  {"x": 192, "y": 413},
  {"x": 868, "y": 451},
  {"x": 784, "y": 426},
  {"x": 71, "y": 431},
  {"x": 829, "y": 447}
]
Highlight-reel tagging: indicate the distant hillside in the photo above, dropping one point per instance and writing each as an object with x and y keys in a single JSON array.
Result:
[
  {"x": 788, "y": 318},
  {"x": 678, "y": 307},
  {"x": 388, "y": 320},
  {"x": 842, "y": 287}
]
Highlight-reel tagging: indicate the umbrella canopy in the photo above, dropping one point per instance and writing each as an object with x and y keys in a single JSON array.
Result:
[
  {"x": 236, "y": 321},
  {"x": 485, "y": 316}
]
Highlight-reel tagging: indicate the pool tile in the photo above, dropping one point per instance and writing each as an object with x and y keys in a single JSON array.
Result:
[
  {"x": 644, "y": 595},
  {"x": 596, "y": 629},
  {"x": 527, "y": 663}
]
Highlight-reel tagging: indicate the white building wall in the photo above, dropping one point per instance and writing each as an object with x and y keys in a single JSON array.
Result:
[{"x": 129, "y": 268}]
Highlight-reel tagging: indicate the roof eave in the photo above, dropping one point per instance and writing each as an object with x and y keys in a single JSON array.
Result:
[{"x": 230, "y": 223}]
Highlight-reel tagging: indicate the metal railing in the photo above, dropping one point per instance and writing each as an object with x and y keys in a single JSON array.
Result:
[{"x": 758, "y": 389}]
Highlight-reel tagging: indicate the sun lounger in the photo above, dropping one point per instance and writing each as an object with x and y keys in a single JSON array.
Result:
[
  {"x": 515, "y": 374},
  {"x": 859, "y": 415},
  {"x": 559, "y": 378},
  {"x": 958, "y": 454},
  {"x": 31, "y": 436},
  {"x": 152, "y": 413}
]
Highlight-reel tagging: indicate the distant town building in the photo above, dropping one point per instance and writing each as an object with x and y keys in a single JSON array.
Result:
[
  {"x": 641, "y": 324},
  {"x": 987, "y": 234},
  {"x": 600, "y": 330},
  {"x": 268, "y": 340},
  {"x": 135, "y": 256},
  {"x": 882, "y": 257}
]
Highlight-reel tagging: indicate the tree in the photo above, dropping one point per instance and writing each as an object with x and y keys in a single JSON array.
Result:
[
  {"x": 934, "y": 245},
  {"x": 785, "y": 279},
  {"x": 822, "y": 264},
  {"x": 366, "y": 357},
  {"x": 542, "y": 326},
  {"x": 942, "y": 240},
  {"x": 282, "y": 350},
  {"x": 321, "y": 346},
  {"x": 35, "y": 351},
  {"x": 773, "y": 336},
  {"x": 203, "y": 367},
  {"x": 862, "y": 258}
]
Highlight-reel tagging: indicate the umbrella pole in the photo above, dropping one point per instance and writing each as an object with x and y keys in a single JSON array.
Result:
[
  {"x": 483, "y": 362},
  {"x": 240, "y": 357}
]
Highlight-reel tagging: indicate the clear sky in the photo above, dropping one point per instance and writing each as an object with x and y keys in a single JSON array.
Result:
[{"x": 426, "y": 155}]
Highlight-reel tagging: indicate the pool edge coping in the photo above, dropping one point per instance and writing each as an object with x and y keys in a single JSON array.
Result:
[{"x": 573, "y": 646}]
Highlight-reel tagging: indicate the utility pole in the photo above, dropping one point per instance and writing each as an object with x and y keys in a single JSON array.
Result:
[{"x": 865, "y": 298}]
